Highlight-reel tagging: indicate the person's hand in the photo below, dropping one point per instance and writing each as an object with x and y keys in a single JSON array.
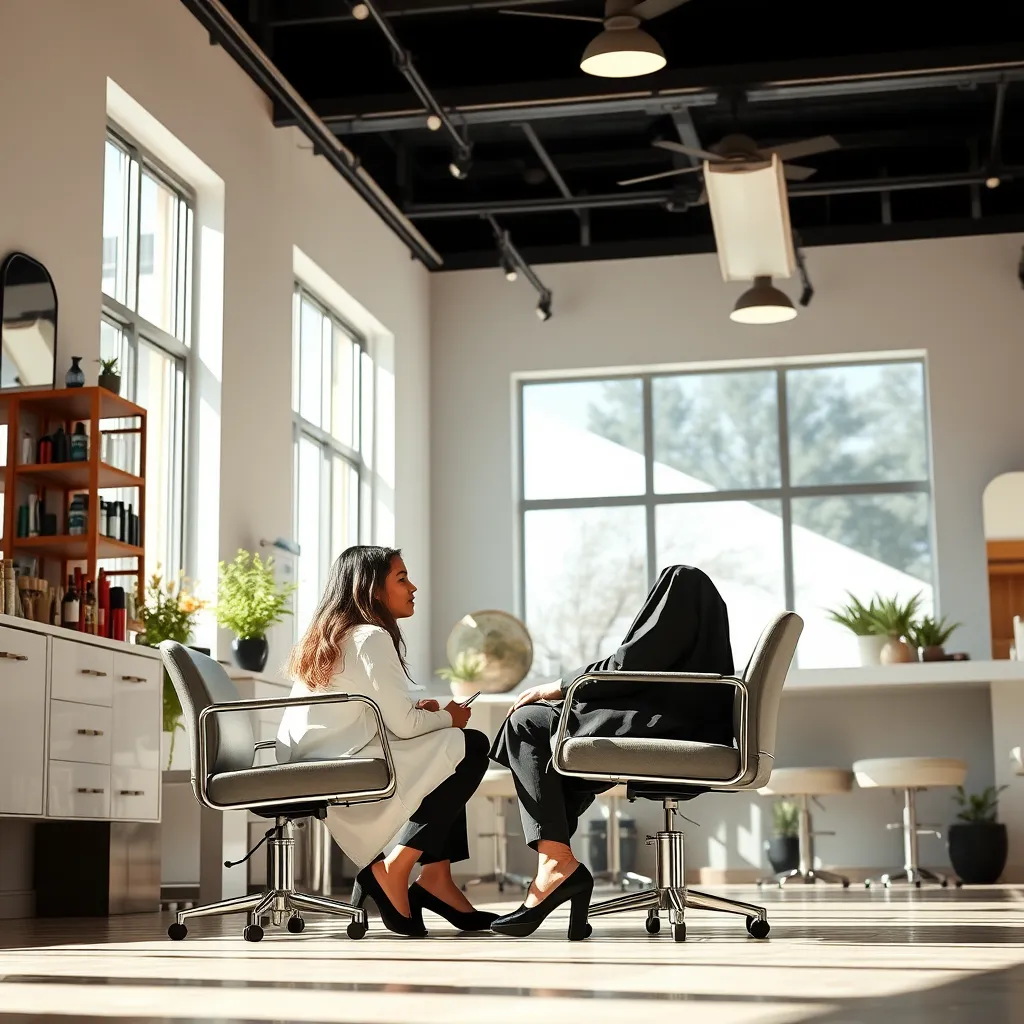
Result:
[
  {"x": 460, "y": 714},
  {"x": 546, "y": 691},
  {"x": 428, "y": 705}
]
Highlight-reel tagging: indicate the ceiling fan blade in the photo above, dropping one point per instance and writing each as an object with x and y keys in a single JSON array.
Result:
[
  {"x": 794, "y": 172},
  {"x": 805, "y": 147},
  {"x": 661, "y": 174},
  {"x": 546, "y": 14},
  {"x": 678, "y": 147},
  {"x": 648, "y": 9}
]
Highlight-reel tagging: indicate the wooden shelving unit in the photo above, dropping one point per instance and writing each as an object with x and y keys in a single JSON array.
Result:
[{"x": 40, "y": 412}]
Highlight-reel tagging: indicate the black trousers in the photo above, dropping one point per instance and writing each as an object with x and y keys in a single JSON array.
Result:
[
  {"x": 438, "y": 827},
  {"x": 549, "y": 804}
]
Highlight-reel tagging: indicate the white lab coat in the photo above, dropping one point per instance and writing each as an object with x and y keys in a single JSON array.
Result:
[{"x": 425, "y": 748}]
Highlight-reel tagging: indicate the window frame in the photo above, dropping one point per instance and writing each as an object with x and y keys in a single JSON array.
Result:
[
  {"x": 329, "y": 446},
  {"x": 136, "y": 329},
  {"x": 786, "y": 492}
]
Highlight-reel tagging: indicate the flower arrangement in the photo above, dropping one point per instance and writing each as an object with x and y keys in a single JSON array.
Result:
[{"x": 169, "y": 613}]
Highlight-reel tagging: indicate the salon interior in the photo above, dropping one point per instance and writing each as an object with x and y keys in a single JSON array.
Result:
[{"x": 551, "y": 298}]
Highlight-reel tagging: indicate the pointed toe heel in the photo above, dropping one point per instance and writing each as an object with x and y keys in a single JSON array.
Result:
[
  {"x": 577, "y": 890},
  {"x": 366, "y": 885},
  {"x": 465, "y": 921}
]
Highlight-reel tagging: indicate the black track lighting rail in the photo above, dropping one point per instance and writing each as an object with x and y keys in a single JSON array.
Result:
[{"x": 511, "y": 259}]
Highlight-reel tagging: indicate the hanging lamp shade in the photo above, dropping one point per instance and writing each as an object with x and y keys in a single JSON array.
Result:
[
  {"x": 763, "y": 303},
  {"x": 622, "y": 50}
]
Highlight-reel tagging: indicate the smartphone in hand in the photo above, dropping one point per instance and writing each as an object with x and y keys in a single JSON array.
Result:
[{"x": 469, "y": 700}]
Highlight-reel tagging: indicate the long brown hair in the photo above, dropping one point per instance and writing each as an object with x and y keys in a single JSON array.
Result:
[{"x": 353, "y": 597}]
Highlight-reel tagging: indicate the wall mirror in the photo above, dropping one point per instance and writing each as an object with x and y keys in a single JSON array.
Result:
[{"x": 28, "y": 323}]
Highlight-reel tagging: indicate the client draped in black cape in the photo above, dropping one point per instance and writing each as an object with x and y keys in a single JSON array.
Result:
[{"x": 683, "y": 626}]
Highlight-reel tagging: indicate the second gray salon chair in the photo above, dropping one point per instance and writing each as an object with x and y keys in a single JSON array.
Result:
[
  {"x": 673, "y": 770},
  {"x": 224, "y": 777}
]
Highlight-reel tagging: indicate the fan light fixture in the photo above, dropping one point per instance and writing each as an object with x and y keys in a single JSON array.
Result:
[
  {"x": 763, "y": 303},
  {"x": 622, "y": 50}
]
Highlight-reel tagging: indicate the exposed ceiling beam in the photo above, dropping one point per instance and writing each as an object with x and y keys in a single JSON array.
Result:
[
  {"x": 683, "y": 122},
  {"x": 693, "y": 88},
  {"x": 309, "y": 13},
  {"x": 660, "y": 197},
  {"x": 549, "y": 165}
]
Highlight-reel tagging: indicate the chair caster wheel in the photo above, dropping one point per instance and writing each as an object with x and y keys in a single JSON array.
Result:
[
  {"x": 944, "y": 884},
  {"x": 679, "y": 931},
  {"x": 177, "y": 932},
  {"x": 917, "y": 885},
  {"x": 501, "y": 887},
  {"x": 867, "y": 883},
  {"x": 757, "y": 928},
  {"x": 959, "y": 883},
  {"x": 252, "y": 933},
  {"x": 356, "y": 929},
  {"x": 296, "y": 925},
  {"x": 846, "y": 884},
  {"x": 653, "y": 925}
]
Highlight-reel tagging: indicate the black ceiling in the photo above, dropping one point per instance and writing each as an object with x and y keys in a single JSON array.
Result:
[{"x": 932, "y": 103}]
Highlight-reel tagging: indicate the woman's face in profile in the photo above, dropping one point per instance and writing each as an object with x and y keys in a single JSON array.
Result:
[{"x": 399, "y": 590}]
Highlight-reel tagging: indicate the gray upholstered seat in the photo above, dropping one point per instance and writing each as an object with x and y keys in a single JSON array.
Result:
[
  {"x": 313, "y": 779},
  {"x": 631, "y": 755}
]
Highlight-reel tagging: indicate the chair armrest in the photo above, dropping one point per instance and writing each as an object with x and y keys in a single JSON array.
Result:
[
  {"x": 287, "y": 702},
  {"x": 699, "y": 678}
]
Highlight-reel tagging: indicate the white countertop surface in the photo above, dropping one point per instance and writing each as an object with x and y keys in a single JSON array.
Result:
[
  {"x": 45, "y": 629},
  {"x": 959, "y": 674}
]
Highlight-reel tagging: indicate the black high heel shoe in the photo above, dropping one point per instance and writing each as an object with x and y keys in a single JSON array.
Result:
[
  {"x": 366, "y": 884},
  {"x": 576, "y": 890},
  {"x": 465, "y": 921}
]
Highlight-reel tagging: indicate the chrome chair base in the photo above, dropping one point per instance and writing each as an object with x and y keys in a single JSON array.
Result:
[
  {"x": 915, "y": 876},
  {"x": 280, "y": 902},
  {"x": 809, "y": 877},
  {"x": 670, "y": 893}
]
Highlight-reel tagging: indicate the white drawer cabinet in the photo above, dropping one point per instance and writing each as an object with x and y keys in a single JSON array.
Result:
[
  {"x": 80, "y": 732},
  {"x": 78, "y": 790},
  {"x": 135, "y": 794},
  {"x": 82, "y": 672},
  {"x": 22, "y": 721},
  {"x": 138, "y": 700}
]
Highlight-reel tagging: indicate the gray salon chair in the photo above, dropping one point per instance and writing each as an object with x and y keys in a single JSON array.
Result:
[
  {"x": 673, "y": 770},
  {"x": 223, "y": 749}
]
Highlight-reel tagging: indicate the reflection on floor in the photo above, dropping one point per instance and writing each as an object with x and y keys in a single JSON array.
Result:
[{"x": 834, "y": 957}]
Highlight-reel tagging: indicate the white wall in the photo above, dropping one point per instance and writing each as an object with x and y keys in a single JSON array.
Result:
[
  {"x": 959, "y": 299},
  {"x": 56, "y": 56}
]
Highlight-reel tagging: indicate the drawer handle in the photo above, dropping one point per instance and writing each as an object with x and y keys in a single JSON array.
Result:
[
  {"x": 83, "y": 789},
  {"x": 133, "y": 679},
  {"x": 93, "y": 672},
  {"x": 90, "y": 732},
  {"x": 10, "y": 656},
  {"x": 131, "y": 792}
]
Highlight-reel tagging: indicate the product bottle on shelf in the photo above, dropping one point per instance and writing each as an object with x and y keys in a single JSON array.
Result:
[
  {"x": 118, "y": 618},
  {"x": 79, "y": 444},
  {"x": 76, "y": 516},
  {"x": 70, "y": 608},
  {"x": 90, "y": 609}
]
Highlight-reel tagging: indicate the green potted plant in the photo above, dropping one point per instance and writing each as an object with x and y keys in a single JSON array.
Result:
[
  {"x": 977, "y": 841},
  {"x": 110, "y": 376},
  {"x": 249, "y": 601},
  {"x": 462, "y": 676},
  {"x": 169, "y": 613},
  {"x": 859, "y": 619},
  {"x": 783, "y": 849},
  {"x": 894, "y": 620},
  {"x": 929, "y": 637}
]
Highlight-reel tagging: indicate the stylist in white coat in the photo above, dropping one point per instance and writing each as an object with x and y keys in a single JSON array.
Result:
[{"x": 354, "y": 645}]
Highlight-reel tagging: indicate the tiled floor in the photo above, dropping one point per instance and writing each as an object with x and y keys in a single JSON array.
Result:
[{"x": 833, "y": 957}]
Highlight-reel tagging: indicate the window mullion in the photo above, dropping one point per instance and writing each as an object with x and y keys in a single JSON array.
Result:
[
  {"x": 650, "y": 510},
  {"x": 789, "y": 575}
]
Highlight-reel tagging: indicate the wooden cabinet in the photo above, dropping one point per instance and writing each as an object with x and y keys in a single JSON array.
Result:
[
  {"x": 23, "y": 672},
  {"x": 1005, "y": 591}
]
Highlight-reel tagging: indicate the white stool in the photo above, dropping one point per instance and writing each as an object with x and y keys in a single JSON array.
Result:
[
  {"x": 808, "y": 784},
  {"x": 498, "y": 786},
  {"x": 910, "y": 774}
]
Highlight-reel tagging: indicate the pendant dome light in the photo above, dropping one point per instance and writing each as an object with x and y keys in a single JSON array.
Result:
[
  {"x": 622, "y": 50},
  {"x": 763, "y": 303}
]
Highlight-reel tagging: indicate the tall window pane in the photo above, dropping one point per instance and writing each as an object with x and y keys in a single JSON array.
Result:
[
  {"x": 308, "y": 504},
  {"x": 115, "y": 223},
  {"x": 158, "y": 253},
  {"x": 583, "y": 439},
  {"x": 311, "y": 329},
  {"x": 345, "y": 390},
  {"x": 344, "y": 506}
]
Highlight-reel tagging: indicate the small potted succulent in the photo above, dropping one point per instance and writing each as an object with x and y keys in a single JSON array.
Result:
[
  {"x": 783, "y": 849},
  {"x": 929, "y": 637},
  {"x": 977, "y": 841},
  {"x": 895, "y": 620},
  {"x": 859, "y": 619},
  {"x": 110, "y": 376},
  {"x": 249, "y": 601},
  {"x": 462, "y": 676}
]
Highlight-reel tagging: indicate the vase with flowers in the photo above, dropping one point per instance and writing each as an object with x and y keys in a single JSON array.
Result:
[{"x": 169, "y": 613}]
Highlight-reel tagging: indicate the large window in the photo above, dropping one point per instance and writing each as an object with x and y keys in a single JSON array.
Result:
[
  {"x": 332, "y": 399},
  {"x": 788, "y": 485},
  {"x": 147, "y": 326}
]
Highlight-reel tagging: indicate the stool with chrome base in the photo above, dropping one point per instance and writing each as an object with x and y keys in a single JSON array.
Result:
[
  {"x": 669, "y": 770},
  {"x": 911, "y": 774},
  {"x": 498, "y": 786},
  {"x": 225, "y": 777},
  {"x": 807, "y": 784}
]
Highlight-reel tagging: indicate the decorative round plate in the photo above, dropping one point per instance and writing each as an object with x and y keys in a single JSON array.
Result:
[{"x": 501, "y": 643}]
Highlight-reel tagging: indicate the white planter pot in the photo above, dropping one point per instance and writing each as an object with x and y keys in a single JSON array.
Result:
[
  {"x": 461, "y": 689},
  {"x": 182, "y": 760},
  {"x": 870, "y": 648}
]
